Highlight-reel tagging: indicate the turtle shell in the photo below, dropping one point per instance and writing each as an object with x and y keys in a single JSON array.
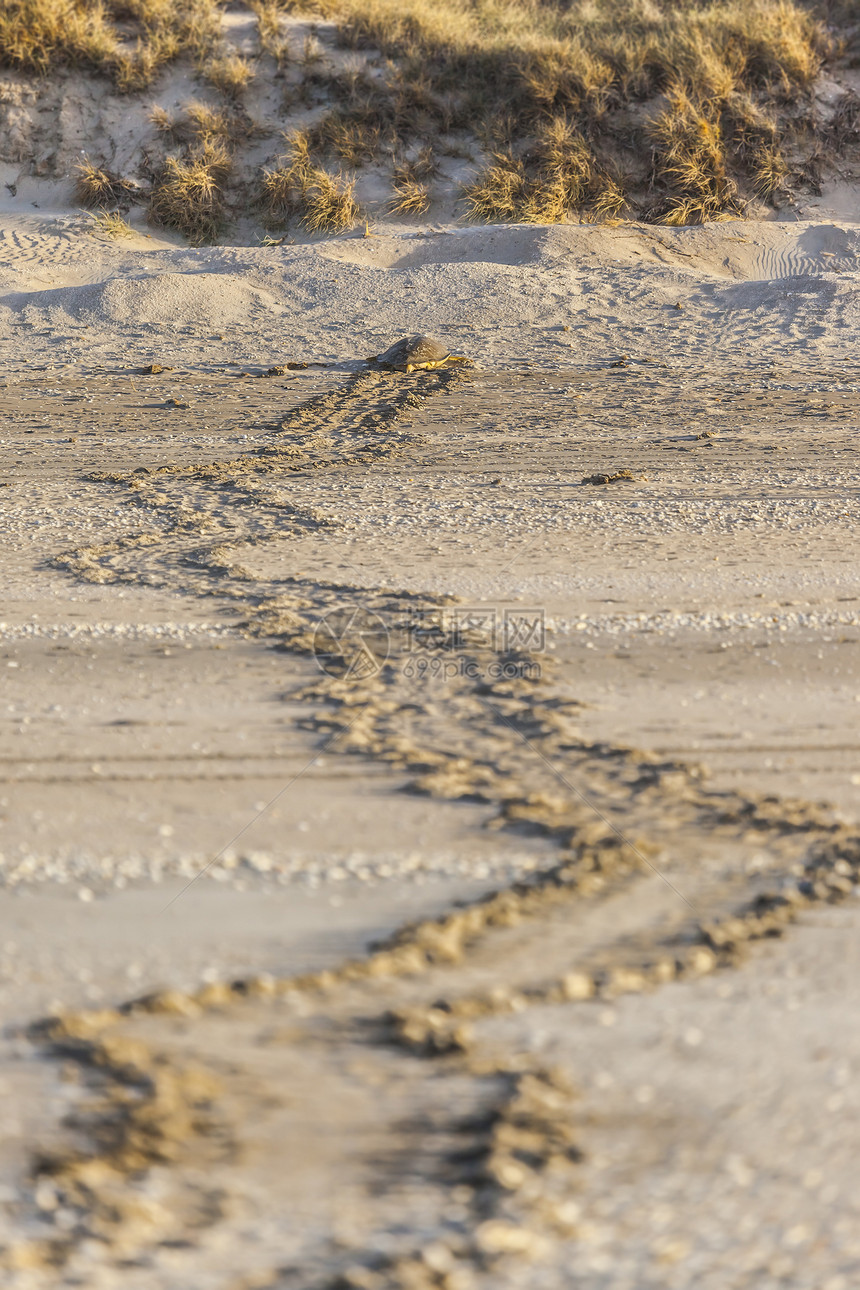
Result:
[{"x": 414, "y": 352}]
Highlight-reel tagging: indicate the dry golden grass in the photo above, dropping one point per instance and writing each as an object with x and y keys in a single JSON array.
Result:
[
  {"x": 162, "y": 120},
  {"x": 312, "y": 52},
  {"x": 38, "y": 34},
  {"x": 42, "y": 35},
  {"x": 556, "y": 178},
  {"x": 325, "y": 202},
  {"x": 279, "y": 196},
  {"x": 137, "y": 70},
  {"x": 582, "y": 55},
  {"x": 229, "y": 73},
  {"x": 188, "y": 197},
  {"x": 411, "y": 197},
  {"x": 497, "y": 195},
  {"x": 770, "y": 173},
  {"x": 506, "y": 67},
  {"x": 329, "y": 203},
  {"x": 353, "y": 142},
  {"x": 425, "y": 165},
  {"x": 198, "y": 122},
  {"x": 281, "y": 189},
  {"x": 215, "y": 155},
  {"x": 206, "y": 121},
  {"x": 110, "y": 225},
  {"x": 272, "y": 38},
  {"x": 690, "y": 157},
  {"x": 409, "y": 179},
  {"x": 676, "y": 110},
  {"x": 97, "y": 187},
  {"x": 189, "y": 192}
]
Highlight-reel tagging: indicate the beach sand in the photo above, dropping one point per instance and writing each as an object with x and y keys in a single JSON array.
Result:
[{"x": 628, "y": 708}]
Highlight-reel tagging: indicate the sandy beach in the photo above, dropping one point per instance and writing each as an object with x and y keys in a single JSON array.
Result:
[{"x": 429, "y": 861}]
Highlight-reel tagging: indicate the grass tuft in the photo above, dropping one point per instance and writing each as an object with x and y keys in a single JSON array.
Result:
[
  {"x": 282, "y": 189},
  {"x": 229, "y": 73},
  {"x": 691, "y": 162},
  {"x": 770, "y": 173},
  {"x": 43, "y": 35},
  {"x": 135, "y": 71},
  {"x": 188, "y": 197},
  {"x": 97, "y": 187},
  {"x": 110, "y": 224},
  {"x": 557, "y": 178},
  {"x": 36, "y": 35},
  {"x": 411, "y": 197},
  {"x": 425, "y": 165},
  {"x": 329, "y": 203},
  {"x": 351, "y": 141},
  {"x": 272, "y": 38},
  {"x": 325, "y": 202},
  {"x": 312, "y": 51},
  {"x": 162, "y": 120}
]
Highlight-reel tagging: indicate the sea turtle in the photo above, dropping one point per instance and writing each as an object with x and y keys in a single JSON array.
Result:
[{"x": 416, "y": 354}]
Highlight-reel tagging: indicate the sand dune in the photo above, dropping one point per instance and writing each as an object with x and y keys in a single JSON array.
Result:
[{"x": 789, "y": 288}]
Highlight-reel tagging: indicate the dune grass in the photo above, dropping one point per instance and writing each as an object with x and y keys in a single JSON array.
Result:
[
  {"x": 97, "y": 187},
  {"x": 39, "y": 35},
  {"x": 229, "y": 73},
  {"x": 581, "y": 103},
  {"x": 323, "y": 201},
  {"x": 109, "y": 225},
  {"x": 675, "y": 111},
  {"x": 557, "y": 176},
  {"x": 128, "y": 40},
  {"x": 410, "y": 197},
  {"x": 329, "y": 203},
  {"x": 189, "y": 195},
  {"x": 529, "y": 58}
]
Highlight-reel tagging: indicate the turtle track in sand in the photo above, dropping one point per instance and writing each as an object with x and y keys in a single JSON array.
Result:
[
  {"x": 461, "y": 1156},
  {"x": 239, "y": 501}
]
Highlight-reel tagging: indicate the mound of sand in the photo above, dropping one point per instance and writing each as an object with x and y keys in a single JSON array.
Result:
[
  {"x": 782, "y": 297},
  {"x": 569, "y": 294},
  {"x": 496, "y": 244},
  {"x": 213, "y": 299}
]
